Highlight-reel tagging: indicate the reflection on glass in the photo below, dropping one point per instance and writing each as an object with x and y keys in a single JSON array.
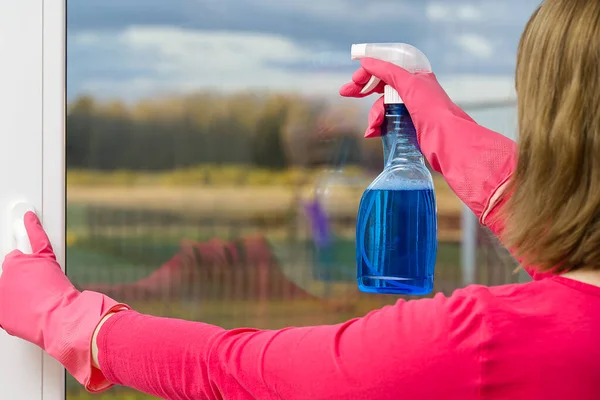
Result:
[
  {"x": 329, "y": 213},
  {"x": 214, "y": 173}
]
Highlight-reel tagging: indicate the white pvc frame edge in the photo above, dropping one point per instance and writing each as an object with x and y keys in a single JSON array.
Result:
[
  {"x": 54, "y": 159},
  {"x": 32, "y": 162}
]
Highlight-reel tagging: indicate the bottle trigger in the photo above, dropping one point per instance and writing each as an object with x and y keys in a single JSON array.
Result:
[{"x": 372, "y": 84}]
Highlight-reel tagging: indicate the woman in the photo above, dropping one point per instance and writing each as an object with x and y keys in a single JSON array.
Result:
[{"x": 530, "y": 341}]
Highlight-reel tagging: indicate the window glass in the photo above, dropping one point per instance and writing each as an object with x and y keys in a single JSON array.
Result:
[{"x": 207, "y": 143}]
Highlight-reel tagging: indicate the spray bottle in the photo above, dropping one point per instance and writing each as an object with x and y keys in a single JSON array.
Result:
[{"x": 396, "y": 233}]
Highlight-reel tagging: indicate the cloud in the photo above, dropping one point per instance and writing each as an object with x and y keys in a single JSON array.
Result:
[
  {"x": 118, "y": 14},
  {"x": 333, "y": 25},
  {"x": 476, "y": 37},
  {"x": 506, "y": 13},
  {"x": 468, "y": 12},
  {"x": 477, "y": 45},
  {"x": 349, "y": 11},
  {"x": 338, "y": 22},
  {"x": 449, "y": 11},
  {"x": 142, "y": 61},
  {"x": 182, "y": 60}
]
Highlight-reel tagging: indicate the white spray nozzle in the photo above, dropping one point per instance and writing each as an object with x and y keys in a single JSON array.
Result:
[{"x": 403, "y": 55}]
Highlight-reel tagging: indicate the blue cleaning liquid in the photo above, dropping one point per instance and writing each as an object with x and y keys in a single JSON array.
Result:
[
  {"x": 396, "y": 232},
  {"x": 397, "y": 240}
]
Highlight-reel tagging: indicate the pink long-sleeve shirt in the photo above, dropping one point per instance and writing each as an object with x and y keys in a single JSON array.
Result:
[{"x": 538, "y": 340}]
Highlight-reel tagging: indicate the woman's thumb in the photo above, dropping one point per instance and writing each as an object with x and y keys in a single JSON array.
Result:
[{"x": 393, "y": 75}]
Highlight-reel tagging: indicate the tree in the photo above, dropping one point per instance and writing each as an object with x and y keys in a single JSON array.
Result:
[{"x": 267, "y": 148}]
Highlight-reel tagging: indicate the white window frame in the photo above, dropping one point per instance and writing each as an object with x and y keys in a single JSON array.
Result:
[{"x": 32, "y": 162}]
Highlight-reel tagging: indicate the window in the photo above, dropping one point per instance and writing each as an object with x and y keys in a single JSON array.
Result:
[{"x": 205, "y": 138}]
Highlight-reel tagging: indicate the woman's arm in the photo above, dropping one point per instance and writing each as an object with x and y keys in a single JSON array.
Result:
[
  {"x": 475, "y": 161},
  {"x": 388, "y": 353}
]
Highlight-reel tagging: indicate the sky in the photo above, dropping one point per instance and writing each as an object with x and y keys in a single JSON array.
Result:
[{"x": 130, "y": 49}]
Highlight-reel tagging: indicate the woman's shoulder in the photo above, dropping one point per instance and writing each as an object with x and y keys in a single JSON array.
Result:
[
  {"x": 479, "y": 308},
  {"x": 485, "y": 297},
  {"x": 515, "y": 303},
  {"x": 479, "y": 302}
]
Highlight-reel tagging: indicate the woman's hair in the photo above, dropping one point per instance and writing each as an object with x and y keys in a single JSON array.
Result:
[{"x": 553, "y": 215}]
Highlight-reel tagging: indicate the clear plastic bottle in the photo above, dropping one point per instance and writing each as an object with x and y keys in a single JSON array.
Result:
[{"x": 396, "y": 233}]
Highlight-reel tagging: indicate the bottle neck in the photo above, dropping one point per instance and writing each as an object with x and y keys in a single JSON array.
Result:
[{"x": 399, "y": 137}]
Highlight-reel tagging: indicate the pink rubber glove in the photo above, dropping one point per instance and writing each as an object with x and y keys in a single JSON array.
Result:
[
  {"x": 40, "y": 305},
  {"x": 474, "y": 160}
]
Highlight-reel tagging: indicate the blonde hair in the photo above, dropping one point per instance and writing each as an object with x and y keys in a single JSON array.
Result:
[{"x": 553, "y": 215}]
